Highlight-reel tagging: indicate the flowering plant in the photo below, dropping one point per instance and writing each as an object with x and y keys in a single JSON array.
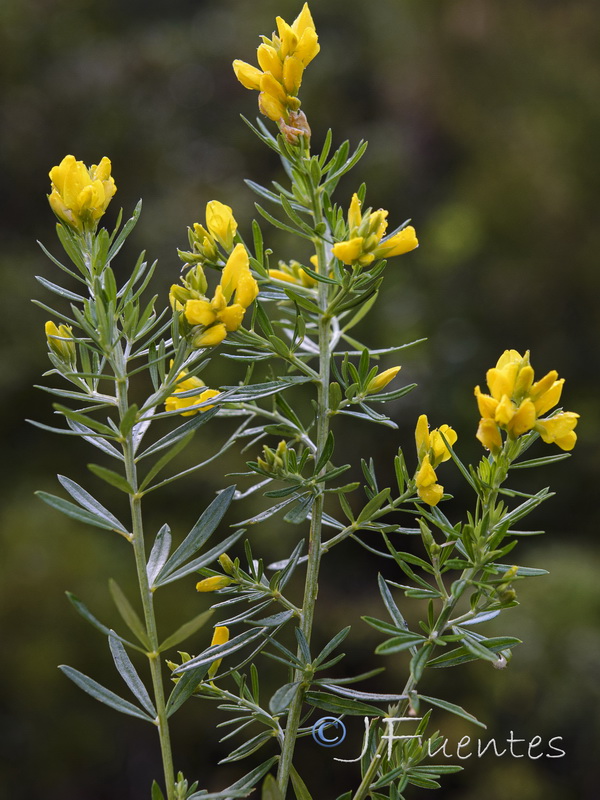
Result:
[{"x": 132, "y": 370}]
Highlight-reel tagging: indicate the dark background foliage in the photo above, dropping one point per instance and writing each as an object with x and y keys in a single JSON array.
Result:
[{"x": 483, "y": 122}]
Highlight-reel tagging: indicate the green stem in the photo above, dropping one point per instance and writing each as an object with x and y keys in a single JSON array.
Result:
[
  {"x": 488, "y": 502},
  {"x": 139, "y": 550},
  {"x": 311, "y": 586}
]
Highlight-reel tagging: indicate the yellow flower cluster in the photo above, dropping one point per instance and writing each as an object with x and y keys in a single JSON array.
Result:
[
  {"x": 365, "y": 240},
  {"x": 431, "y": 451},
  {"x": 516, "y": 403},
  {"x": 282, "y": 60},
  {"x": 217, "y": 317},
  {"x": 177, "y": 403},
  {"x": 293, "y": 273},
  {"x": 220, "y": 229},
  {"x": 79, "y": 196}
]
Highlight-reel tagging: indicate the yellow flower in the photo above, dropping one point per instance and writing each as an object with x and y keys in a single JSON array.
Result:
[
  {"x": 213, "y": 583},
  {"x": 221, "y": 223},
  {"x": 431, "y": 451},
  {"x": 282, "y": 60},
  {"x": 60, "y": 341},
  {"x": 211, "y": 337},
  {"x": 293, "y": 272},
  {"x": 380, "y": 381},
  {"x": 220, "y": 636},
  {"x": 429, "y": 490},
  {"x": 79, "y": 196},
  {"x": 176, "y": 403},
  {"x": 559, "y": 429},
  {"x": 516, "y": 403},
  {"x": 365, "y": 240}
]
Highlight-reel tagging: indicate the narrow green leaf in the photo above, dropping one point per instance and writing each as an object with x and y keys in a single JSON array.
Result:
[
  {"x": 282, "y": 699},
  {"x": 129, "y": 673},
  {"x": 202, "y": 530},
  {"x": 300, "y": 788},
  {"x": 87, "y": 615},
  {"x": 403, "y": 641},
  {"x": 112, "y": 478},
  {"x": 326, "y": 453},
  {"x": 129, "y": 419},
  {"x": 156, "y": 792},
  {"x": 201, "y": 561},
  {"x": 373, "y": 506},
  {"x": 166, "y": 458},
  {"x": 331, "y": 645},
  {"x": 87, "y": 501},
  {"x": 186, "y": 630},
  {"x": 128, "y": 613},
  {"x": 341, "y": 705},
  {"x": 453, "y": 709},
  {"x": 159, "y": 553},
  {"x": 390, "y": 604},
  {"x": 75, "y": 512},
  {"x": 270, "y": 789},
  {"x": 240, "y": 788},
  {"x": 220, "y": 651},
  {"x": 184, "y": 688},
  {"x": 419, "y": 661},
  {"x": 84, "y": 419},
  {"x": 179, "y": 433},
  {"x": 103, "y": 695}
]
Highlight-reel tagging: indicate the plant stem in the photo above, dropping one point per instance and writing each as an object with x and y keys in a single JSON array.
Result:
[
  {"x": 139, "y": 549},
  {"x": 311, "y": 586}
]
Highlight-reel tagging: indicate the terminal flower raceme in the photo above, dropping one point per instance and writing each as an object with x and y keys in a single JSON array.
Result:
[
  {"x": 431, "y": 451},
  {"x": 516, "y": 404},
  {"x": 282, "y": 60},
  {"x": 178, "y": 403},
  {"x": 366, "y": 242},
  {"x": 79, "y": 196}
]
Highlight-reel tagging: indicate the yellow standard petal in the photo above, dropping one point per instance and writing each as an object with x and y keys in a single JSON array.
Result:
[
  {"x": 247, "y": 75},
  {"x": 292, "y": 74},
  {"x": 546, "y": 398},
  {"x": 271, "y": 107},
  {"x": 422, "y": 437},
  {"x": 354, "y": 214},
  {"x": 438, "y": 447},
  {"x": 246, "y": 290},
  {"x": 269, "y": 61},
  {"x": 308, "y": 46},
  {"x": 221, "y": 223},
  {"x": 238, "y": 265}
]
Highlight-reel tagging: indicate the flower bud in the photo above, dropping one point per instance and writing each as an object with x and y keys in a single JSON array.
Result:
[
  {"x": 213, "y": 583},
  {"x": 381, "y": 380}
]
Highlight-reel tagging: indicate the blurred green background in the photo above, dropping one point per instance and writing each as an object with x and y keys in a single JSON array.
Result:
[{"x": 484, "y": 122}]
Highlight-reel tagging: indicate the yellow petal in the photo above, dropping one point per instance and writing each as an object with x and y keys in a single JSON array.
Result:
[
  {"x": 271, "y": 107},
  {"x": 199, "y": 312},
  {"x": 523, "y": 419},
  {"x": 303, "y": 21},
  {"x": 438, "y": 447},
  {"x": 232, "y": 316},
  {"x": 547, "y": 399},
  {"x": 559, "y": 429},
  {"x": 486, "y": 404},
  {"x": 349, "y": 251},
  {"x": 247, "y": 75},
  {"x": 422, "y": 436},
  {"x": 402, "y": 242},
  {"x": 212, "y": 584},
  {"x": 238, "y": 264},
  {"x": 269, "y": 61},
  {"x": 221, "y": 223},
  {"x": 505, "y": 411},
  {"x": 272, "y": 87},
  {"x": 380, "y": 381},
  {"x": 308, "y": 47},
  {"x": 489, "y": 435},
  {"x": 246, "y": 290},
  {"x": 292, "y": 74},
  {"x": 354, "y": 215},
  {"x": 212, "y": 336}
]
